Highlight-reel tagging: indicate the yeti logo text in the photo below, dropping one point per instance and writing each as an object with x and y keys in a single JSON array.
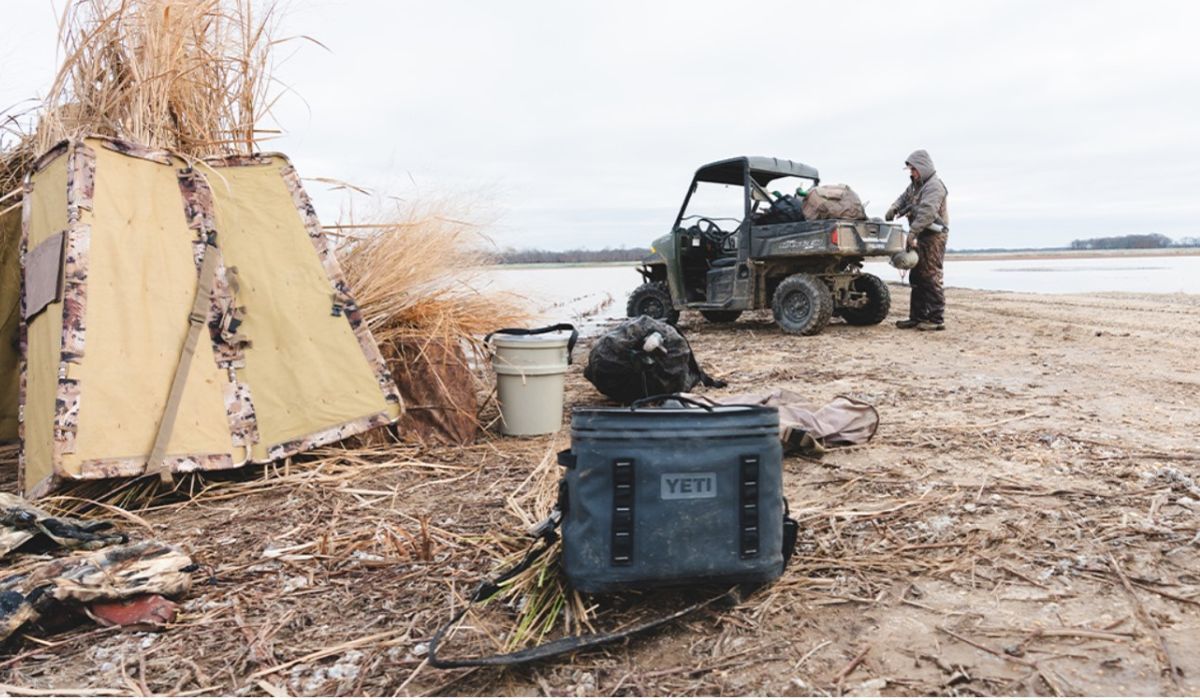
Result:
[{"x": 689, "y": 485}]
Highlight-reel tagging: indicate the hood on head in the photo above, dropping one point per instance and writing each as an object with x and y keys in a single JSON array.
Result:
[{"x": 922, "y": 162}]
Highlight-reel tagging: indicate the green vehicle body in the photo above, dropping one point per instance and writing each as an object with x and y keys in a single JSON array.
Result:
[{"x": 724, "y": 271}]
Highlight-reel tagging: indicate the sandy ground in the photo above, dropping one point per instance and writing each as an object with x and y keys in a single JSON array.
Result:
[{"x": 1024, "y": 522}]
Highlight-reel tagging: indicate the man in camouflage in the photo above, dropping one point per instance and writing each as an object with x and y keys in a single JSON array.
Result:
[{"x": 924, "y": 203}]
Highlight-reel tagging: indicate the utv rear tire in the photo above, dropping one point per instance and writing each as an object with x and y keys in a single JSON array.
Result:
[
  {"x": 802, "y": 305},
  {"x": 652, "y": 299},
  {"x": 720, "y": 316},
  {"x": 879, "y": 302}
]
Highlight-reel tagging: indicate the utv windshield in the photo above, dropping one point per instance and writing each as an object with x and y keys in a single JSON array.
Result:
[{"x": 723, "y": 204}]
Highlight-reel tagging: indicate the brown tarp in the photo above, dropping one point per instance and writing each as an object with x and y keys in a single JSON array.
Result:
[{"x": 843, "y": 421}]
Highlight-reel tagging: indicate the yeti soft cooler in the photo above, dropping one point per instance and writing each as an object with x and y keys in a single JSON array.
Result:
[
  {"x": 672, "y": 495},
  {"x": 686, "y": 493}
]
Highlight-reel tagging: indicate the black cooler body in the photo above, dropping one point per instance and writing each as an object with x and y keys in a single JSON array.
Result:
[{"x": 669, "y": 496}]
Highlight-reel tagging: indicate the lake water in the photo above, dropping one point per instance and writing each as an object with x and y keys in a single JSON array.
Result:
[{"x": 598, "y": 293}]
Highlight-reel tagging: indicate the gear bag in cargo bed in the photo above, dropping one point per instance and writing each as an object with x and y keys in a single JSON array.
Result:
[{"x": 833, "y": 202}]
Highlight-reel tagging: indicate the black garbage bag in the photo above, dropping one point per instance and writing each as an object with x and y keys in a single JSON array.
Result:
[{"x": 644, "y": 357}]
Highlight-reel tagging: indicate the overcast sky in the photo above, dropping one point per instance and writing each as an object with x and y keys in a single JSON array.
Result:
[{"x": 581, "y": 123}]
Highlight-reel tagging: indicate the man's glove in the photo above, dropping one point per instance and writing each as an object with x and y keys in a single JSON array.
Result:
[
  {"x": 912, "y": 241},
  {"x": 891, "y": 214}
]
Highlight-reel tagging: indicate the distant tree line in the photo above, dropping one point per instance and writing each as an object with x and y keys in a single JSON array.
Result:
[
  {"x": 1133, "y": 240},
  {"x": 530, "y": 256}
]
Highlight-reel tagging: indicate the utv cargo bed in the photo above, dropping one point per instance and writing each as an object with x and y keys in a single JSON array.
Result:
[{"x": 864, "y": 238}]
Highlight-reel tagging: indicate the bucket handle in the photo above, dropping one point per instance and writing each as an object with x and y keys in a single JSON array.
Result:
[{"x": 539, "y": 331}]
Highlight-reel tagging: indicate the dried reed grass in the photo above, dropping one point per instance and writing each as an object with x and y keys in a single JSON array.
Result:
[
  {"x": 191, "y": 76},
  {"x": 541, "y": 594},
  {"x": 419, "y": 277},
  {"x": 420, "y": 274},
  {"x": 194, "y": 77}
]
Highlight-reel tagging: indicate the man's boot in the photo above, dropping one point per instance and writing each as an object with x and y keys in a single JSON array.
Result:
[
  {"x": 931, "y": 326},
  {"x": 908, "y": 323}
]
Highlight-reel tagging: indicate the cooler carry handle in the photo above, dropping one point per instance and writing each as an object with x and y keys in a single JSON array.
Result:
[
  {"x": 702, "y": 402},
  {"x": 641, "y": 403}
]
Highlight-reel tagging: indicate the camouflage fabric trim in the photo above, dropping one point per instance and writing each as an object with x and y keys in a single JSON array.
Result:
[
  {"x": 328, "y": 436},
  {"x": 342, "y": 296},
  {"x": 66, "y": 417},
  {"x": 49, "y": 156},
  {"x": 136, "y": 466},
  {"x": 81, "y": 180},
  {"x": 239, "y": 407},
  {"x": 23, "y": 333},
  {"x": 135, "y": 150},
  {"x": 235, "y": 161},
  {"x": 74, "y": 312},
  {"x": 75, "y": 276},
  {"x": 197, "y": 202},
  {"x": 224, "y": 313},
  {"x": 228, "y": 343}
]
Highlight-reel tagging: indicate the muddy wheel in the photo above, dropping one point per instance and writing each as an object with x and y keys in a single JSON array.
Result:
[
  {"x": 879, "y": 302},
  {"x": 802, "y": 305},
  {"x": 720, "y": 316},
  {"x": 652, "y": 299}
]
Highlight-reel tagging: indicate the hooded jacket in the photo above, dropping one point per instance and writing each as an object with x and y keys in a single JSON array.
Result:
[{"x": 924, "y": 200}]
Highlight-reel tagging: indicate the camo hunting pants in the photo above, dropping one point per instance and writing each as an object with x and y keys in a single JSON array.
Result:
[{"x": 928, "y": 301}]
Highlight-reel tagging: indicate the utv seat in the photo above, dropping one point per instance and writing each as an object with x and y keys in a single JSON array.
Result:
[{"x": 723, "y": 262}]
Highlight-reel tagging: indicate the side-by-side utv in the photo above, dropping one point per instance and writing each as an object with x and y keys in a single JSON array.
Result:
[{"x": 805, "y": 271}]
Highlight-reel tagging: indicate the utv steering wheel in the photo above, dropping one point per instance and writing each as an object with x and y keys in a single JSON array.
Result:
[{"x": 711, "y": 231}]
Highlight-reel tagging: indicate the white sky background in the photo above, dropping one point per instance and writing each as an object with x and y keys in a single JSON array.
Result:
[{"x": 579, "y": 124}]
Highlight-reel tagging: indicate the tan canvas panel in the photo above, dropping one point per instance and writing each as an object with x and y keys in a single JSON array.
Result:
[
  {"x": 306, "y": 369},
  {"x": 141, "y": 282},
  {"x": 47, "y": 215},
  {"x": 102, "y": 356},
  {"x": 10, "y": 310}
]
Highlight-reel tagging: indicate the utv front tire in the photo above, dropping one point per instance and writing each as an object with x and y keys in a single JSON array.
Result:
[
  {"x": 720, "y": 315},
  {"x": 802, "y": 305},
  {"x": 879, "y": 302},
  {"x": 652, "y": 299}
]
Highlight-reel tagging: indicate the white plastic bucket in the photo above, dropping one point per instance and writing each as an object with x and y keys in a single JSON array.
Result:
[{"x": 530, "y": 373}]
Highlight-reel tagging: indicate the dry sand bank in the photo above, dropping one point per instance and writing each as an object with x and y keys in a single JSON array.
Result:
[{"x": 1023, "y": 523}]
